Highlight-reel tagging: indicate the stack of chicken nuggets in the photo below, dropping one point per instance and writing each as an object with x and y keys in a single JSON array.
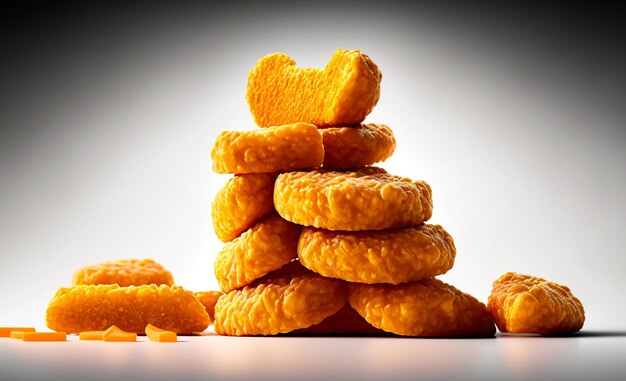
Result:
[{"x": 317, "y": 239}]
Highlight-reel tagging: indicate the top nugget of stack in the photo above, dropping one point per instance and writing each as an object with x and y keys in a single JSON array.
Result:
[{"x": 343, "y": 93}]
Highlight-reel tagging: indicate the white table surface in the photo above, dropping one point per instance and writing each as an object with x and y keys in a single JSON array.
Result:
[{"x": 590, "y": 355}]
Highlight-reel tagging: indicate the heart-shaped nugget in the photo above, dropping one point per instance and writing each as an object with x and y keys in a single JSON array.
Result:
[{"x": 344, "y": 92}]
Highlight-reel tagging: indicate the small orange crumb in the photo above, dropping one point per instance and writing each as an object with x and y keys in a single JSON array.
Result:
[
  {"x": 44, "y": 336},
  {"x": 160, "y": 335},
  {"x": 91, "y": 335},
  {"x": 6, "y": 331},
  {"x": 16, "y": 335},
  {"x": 114, "y": 334}
]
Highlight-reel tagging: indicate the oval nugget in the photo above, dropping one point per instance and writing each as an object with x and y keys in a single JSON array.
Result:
[
  {"x": 357, "y": 146},
  {"x": 344, "y": 92},
  {"x": 275, "y": 149},
  {"x": 243, "y": 201},
  {"x": 268, "y": 245},
  {"x": 97, "y": 307},
  {"x": 124, "y": 272},
  {"x": 208, "y": 300},
  {"x": 365, "y": 199},
  {"x": 428, "y": 308},
  {"x": 388, "y": 256},
  {"x": 282, "y": 302},
  {"x": 345, "y": 322},
  {"x": 522, "y": 303}
]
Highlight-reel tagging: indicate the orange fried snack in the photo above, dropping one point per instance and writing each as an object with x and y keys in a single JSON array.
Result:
[
  {"x": 387, "y": 256},
  {"x": 160, "y": 335},
  {"x": 91, "y": 335},
  {"x": 526, "y": 304},
  {"x": 244, "y": 200},
  {"x": 277, "y": 149},
  {"x": 44, "y": 336},
  {"x": 6, "y": 331},
  {"x": 124, "y": 272},
  {"x": 97, "y": 307},
  {"x": 267, "y": 246},
  {"x": 208, "y": 300},
  {"x": 355, "y": 147},
  {"x": 365, "y": 199},
  {"x": 344, "y": 92},
  {"x": 345, "y": 322},
  {"x": 288, "y": 299},
  {"x": 429, "y": 308}
]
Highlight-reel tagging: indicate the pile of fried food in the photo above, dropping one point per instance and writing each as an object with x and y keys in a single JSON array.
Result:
[{"x": 317, "y": 239}]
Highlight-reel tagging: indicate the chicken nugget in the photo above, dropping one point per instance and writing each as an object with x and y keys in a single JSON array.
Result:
[
  {"x": 428, "y": 308},
  {"x": 208, "y": 300},
  {"x": 244, "y": 200},
  {"x": 267, "y": 246},
  {"x": 97, "y": 307},
  {"x": 345, "y": 322},
  {"x": 357, "y": 146},
  {"x": 387, "y": 256},
  {"x": 124, "y": 272},
  {"x": 344, "y": 92},
  {"x": 364, "y": 199},
  {"x": 276, "y": 149},
  {"x": 527, "y": 304},
  {"x": 288, "y": 299}
]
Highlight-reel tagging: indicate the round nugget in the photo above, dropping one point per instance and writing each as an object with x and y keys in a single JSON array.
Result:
[
  {"x": 357, "y": 146},
  {"x": 365, "y": 199},
  {"x": 388, "y": 256},
  {"x": 267, "y": 246},
  {"x": 428, "y": 308},
  {"x": 97, "y": 307},
  {"x": 282, "y": 302},
  {"x": 522, "y": 303},
  {"x": 244, "y": 200},
  {"x": 275, "y": 149},
  {"x": 124, "y": 272}
]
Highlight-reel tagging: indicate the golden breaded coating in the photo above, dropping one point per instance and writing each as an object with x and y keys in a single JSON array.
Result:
[
  {"x": 428, "y": 308},
  {"x": 526, "y": 304},
  {"x": 244, "y": 200},
  {"x": 345, "y": 322},
  {"x": 365, "y": 199},
  {"x": 208, "y": 300},
  {"x": 279, "y": 303},
  {"x": 357, "y": 146},
  {"x": 97, "y": 307},
  {"x": 276, "y": 149},
  {"x": 124, "y": 272},
  {"x": 268, "y": 245},
  {"x": 344, "y": 92},
  {"x": 387, "y": 256}
]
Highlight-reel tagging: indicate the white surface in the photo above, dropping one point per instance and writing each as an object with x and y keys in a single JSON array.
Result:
[{"x": 591, "y": 356}]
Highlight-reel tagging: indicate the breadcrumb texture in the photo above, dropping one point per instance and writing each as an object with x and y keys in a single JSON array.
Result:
[
  {"x": 267, "y": 246},
  {"x": 208, "y": 300},
  {"x": 282, "y": 302},
  {"x": 97, "y": 307},
  {"x": 345, "y": 322},
  {"x": 522, "y": 303},
  {"x": 428, "y": 308},
  {"x": 344, "y": 92},
  {"x": 357, "y": 146},
  {"x": 244, "y": 200},
  {"x": 124, "y": 272},
  {"x": 365, "y": 199},
  {"x": 387, "y": 256},
  {"x": 276, "y": 149}
]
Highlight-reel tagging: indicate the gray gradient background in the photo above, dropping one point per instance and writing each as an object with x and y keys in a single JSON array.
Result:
[{"x": 515, "y": 117}]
